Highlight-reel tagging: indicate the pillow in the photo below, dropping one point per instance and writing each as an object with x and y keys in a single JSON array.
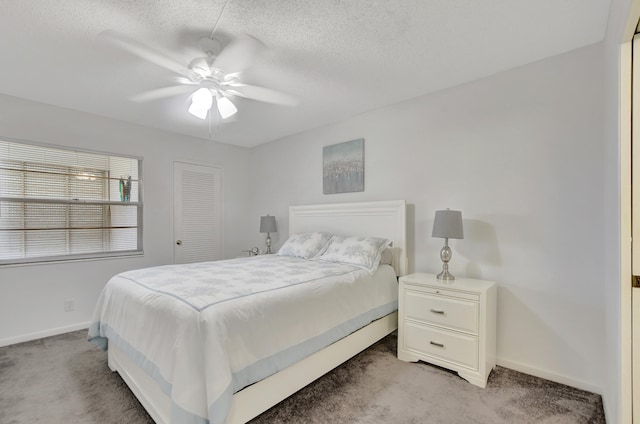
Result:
[
  {"x": 363, "y": 252},
  {"x": 305, "y": 245},
  {"x": 386, "y": 257}
]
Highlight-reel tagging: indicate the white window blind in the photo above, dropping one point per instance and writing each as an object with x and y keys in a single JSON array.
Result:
[{"x": 58, "y": 204}]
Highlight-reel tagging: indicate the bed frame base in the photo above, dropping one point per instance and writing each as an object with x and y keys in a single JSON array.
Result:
[{"x": 257, "y": 398}]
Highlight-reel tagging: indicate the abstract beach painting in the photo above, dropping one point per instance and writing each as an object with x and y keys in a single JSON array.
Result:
[{"x": 343, "y": 167}]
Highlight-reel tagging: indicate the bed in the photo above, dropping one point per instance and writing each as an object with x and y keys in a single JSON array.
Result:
[{"x": 181, "y": 372}]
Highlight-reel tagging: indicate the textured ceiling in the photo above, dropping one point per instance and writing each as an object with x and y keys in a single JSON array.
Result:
[{"x": 338, "y": 57}]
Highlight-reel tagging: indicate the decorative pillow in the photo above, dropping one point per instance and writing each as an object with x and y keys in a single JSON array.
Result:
[
  {"x": 305, "y": 245},
  {"x": 363, "y": 252}
]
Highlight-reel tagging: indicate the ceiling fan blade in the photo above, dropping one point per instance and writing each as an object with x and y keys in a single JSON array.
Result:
[
  {"x": 145, "y": 52},
  {"x": 161, "y": 93},
  {"x": 262, "y": 94},
  {"x": 238, "y": 54}
]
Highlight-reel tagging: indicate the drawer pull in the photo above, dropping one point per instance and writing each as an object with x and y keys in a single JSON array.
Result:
[
  {"x": 437, "y": 344},
  {"x": 437, "y": 311}
]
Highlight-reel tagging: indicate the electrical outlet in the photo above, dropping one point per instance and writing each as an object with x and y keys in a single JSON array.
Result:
[{"x": 69, "y": 305}]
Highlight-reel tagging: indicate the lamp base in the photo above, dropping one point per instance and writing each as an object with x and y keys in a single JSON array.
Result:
[
  {"x": 268, "y": 252},
  {"x": 445, "y": 256},
  {"x": 445, "y": 275}
]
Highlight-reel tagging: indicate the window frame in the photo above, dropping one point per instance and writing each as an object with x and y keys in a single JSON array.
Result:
[{"x": 70, "y": 257}]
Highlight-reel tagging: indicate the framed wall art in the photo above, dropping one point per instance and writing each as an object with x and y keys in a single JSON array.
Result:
[{"x": 343, "y": 167}]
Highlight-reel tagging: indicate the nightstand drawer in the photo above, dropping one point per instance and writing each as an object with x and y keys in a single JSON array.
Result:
[
  {"x": 457, "y": 314},
  {"x": 448, "y": 346}
]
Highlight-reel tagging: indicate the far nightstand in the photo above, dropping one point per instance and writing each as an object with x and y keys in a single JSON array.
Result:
[{"x": 452, "y": 325}]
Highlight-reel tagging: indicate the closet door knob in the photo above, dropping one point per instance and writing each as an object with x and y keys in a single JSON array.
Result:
[{"x": 179, "y": 242}]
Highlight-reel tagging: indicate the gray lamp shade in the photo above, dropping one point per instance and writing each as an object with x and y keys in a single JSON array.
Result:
[
  {"x": 268, "y": 224},
  {"x": 448, "y": 224}
]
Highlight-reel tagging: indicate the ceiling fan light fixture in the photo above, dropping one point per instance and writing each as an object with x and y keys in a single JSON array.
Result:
[
  {"x": 201, "y": 102},
  {"x": 198, "y": 112},
  {"x": 201, "y": 67},
  {"x": 225, "y": 107},
  {"x": 217, "y": 73}
]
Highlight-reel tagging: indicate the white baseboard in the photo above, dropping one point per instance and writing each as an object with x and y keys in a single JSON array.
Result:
[
  {"x": 549, "y": 375},
  {"x": 45, "y": 333},
  {"x": 608, "y": 413}
]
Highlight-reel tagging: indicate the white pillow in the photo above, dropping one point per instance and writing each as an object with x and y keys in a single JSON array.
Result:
[
  {"x": 363, "y": 252},
  {"x": 305, "y": 245}
]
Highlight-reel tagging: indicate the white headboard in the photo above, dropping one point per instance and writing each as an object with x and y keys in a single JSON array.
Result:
[{"x": 375, "y": 219}]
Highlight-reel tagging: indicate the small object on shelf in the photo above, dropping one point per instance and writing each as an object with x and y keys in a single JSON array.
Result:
[
  {"x": 121, "y": 189},
  {"x": 127, "y": 189},
  {"x": 452, "y": 326},
  {"x": 124, "y": 186},
  {"x": 254, "y": 251}
]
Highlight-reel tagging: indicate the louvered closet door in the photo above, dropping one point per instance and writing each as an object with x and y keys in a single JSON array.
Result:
[{"x": 197, "y": 209}]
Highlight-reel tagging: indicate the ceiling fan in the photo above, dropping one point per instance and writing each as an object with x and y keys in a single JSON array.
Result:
[{"x": 216, "y": 75}]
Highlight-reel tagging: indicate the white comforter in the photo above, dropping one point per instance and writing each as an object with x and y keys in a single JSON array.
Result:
[{"x": 204, "y": 331}]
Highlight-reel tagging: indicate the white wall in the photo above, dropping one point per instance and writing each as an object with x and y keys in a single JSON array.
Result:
[
  {"x": 32, "y": 296},
  {"x": 521, "y": 154}
]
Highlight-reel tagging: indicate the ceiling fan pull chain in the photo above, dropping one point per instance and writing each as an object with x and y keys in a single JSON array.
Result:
[
  {"x": 215, "y": 26},
  {"x": 210, "y": 134},
  {"x": 211, "y": 113}
]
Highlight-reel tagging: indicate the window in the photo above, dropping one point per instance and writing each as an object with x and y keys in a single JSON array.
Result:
[{"x": 58, "y": 204}]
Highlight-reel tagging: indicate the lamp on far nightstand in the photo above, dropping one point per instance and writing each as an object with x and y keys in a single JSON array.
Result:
[
  {"x": 268, "y": 225},
  {"x": 447, "y": 224}
]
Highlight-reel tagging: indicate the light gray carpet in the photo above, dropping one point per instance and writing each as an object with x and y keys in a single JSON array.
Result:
[{"x": 65, "y": 379}]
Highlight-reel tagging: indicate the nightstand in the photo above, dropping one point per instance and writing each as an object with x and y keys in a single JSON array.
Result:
[{"x": 451, "y": 325}]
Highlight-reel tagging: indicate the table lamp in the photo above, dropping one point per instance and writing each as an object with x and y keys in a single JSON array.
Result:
[
  {"x": 447, "y": 224},
  {"x": 268, "y": 225}
]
